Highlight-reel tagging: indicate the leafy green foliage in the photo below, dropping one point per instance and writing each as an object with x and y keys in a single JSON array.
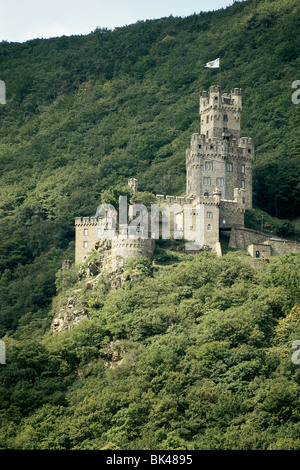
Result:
[
  {"x": 196, "y": 352},
  {"x": 194, "y": 355}
]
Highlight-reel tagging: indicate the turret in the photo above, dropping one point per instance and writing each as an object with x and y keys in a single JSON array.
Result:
[
  {"x": 218, "y": 156},
  {"x": 220, "y": 114}
]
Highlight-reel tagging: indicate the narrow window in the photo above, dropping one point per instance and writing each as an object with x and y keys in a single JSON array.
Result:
[
  {"x": 229, "y": 166},
  {"x": 207, "y": 119},
  {"x": 209, "y": 215},
  {"x": 243, "y": 184},
  {"x": 85, "y": 244},
  {"x": 209, "y": 227},
  {"x": 224, "y": 221},
  {"x": 243, "y": 168},
  {"x": 220, "y": 181},
  {"x": 206, "y": 181},
  {"x": 85, "y": 232},
  {"x": 208, "y": 166},
  {"x": 225, "y": 117}
]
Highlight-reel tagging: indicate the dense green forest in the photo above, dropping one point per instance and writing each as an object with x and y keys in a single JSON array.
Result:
[
  {"x": 205, "y": 343},
  {"x": 195, "y": 354}
]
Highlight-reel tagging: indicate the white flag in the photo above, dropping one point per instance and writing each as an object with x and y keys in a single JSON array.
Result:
[{"x": 214, "y": 64}]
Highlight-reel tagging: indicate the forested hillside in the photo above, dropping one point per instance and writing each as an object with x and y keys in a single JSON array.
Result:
[
  {"x": 192, "y": 355},
  {"x": 85, "y": 113}
]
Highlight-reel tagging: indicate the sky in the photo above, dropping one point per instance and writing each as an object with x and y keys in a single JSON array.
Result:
[{"x": 22, "y": 20}]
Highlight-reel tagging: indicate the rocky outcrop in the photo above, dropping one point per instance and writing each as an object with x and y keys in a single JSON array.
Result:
[
  {"x": 114, "y": 353},
  {"x": 69, "y": 315}
]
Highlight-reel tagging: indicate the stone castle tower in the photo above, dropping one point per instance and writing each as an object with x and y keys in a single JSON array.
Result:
[{"x": 218, "y": 156}]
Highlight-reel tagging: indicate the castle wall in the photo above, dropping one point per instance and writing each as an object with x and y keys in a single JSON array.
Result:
[
  {"x": 241, "y": 237},
  {"x": 231, "y": 213},
  {"x": 251, "y": 240},
  {"x": 259, "y": 251},
  {"x": 283, "y": 247},
  {"x": 210, "y": 224},
  {"x": 132, "y": 248},
  {"x": 85, "y": 236}
]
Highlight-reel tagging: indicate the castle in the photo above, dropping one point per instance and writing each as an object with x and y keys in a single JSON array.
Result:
[{"x": 218, "y": 191}]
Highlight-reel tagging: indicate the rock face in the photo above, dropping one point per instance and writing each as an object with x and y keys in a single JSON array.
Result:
[
  {"x": 114, "y": 353},
  {"x": 71, "y": 312},
  {"x": 69, "y": 315}
]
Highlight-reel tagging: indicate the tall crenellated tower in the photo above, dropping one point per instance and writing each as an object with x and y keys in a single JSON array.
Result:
[{"x": 218, "y": 156}]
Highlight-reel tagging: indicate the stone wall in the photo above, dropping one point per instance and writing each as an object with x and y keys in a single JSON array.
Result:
[
  {"x": 85, "y": 236},
  {"x": 283, "y": 247},
  {"x": 128, "y": 248},
  {"x": 241, "y": 237},
  {"x": 259, "y": 251},
  {"x": 253, "y": 240},
  {"x": 231, "y": 213}
]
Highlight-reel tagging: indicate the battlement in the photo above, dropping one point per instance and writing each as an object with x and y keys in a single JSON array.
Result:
[
  {"x": 128, "y": 248},
  {"x": 161, "y": 199},
  {"x": 214, "y": 98},
  {"x": 87, "y": 221},
  {"x": 239, "y": 149},
  {"x": 182, "y": 200},
  {"x": 220, "y": 113}
]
